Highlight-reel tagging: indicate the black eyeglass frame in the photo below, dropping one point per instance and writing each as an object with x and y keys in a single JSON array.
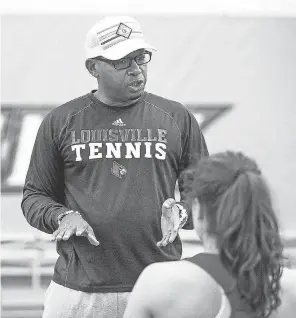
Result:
[{"x": 113, "y": 63}]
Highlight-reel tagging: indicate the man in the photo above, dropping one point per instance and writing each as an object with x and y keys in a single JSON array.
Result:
[{"x": 101, "y": 168}]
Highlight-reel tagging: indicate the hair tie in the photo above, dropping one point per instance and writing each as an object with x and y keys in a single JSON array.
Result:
[{"x": 243, "y": 170}]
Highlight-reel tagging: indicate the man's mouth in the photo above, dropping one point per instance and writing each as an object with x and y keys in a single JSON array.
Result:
[{"x": 136, "y": 83}]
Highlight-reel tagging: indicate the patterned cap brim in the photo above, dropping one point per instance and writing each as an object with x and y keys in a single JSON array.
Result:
[{"x": 124, "y": 48}]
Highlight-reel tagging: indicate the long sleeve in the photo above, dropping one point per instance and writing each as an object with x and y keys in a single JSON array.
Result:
[
  {"x": 194, "y": 147},
  {"x": 44, "y": 186}
]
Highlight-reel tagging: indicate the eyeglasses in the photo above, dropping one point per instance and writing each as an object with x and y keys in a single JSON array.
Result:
[{"x": 126, "y": 62}]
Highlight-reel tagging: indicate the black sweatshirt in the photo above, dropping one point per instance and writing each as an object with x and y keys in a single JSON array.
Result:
[{"x": 116, "y": 166}]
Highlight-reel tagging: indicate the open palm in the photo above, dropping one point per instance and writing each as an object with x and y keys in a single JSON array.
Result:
[{"x": 170, "y": 222}]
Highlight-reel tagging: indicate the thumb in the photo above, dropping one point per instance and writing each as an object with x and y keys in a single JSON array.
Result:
[
  {"x": 168, "y": 203},
  {"x": 167, "y": 207},
  {"x": 92, "y": 238}
]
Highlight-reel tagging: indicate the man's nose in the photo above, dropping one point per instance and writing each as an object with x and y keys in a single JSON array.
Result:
[{"x": 134, "y": 69}]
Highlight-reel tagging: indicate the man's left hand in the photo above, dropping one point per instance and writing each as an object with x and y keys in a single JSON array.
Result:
[{"x": 170, "y": 222}]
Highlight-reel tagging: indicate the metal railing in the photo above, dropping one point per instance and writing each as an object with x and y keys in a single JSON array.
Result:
[{"x": 33, "y": 257}]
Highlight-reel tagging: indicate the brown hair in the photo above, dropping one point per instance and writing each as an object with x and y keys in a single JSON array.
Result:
[{"x": 240, "y": 215}]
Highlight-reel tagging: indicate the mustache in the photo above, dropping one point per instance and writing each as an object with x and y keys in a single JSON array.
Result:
[{"x": 137, "y": 81}]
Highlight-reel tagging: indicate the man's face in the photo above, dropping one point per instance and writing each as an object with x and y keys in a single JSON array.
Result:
[{"x": 123, "y": 84}]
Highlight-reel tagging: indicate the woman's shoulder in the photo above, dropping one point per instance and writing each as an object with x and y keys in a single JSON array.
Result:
[
  {"x": 183, "y": 283},
  {"x": 179, "y": 270}
]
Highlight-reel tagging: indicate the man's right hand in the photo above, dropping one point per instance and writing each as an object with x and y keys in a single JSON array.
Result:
[{"x": 74, "y": 224}]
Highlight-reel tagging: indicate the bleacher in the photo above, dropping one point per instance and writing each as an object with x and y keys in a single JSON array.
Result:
[
  {"x": 27, "y": 263},
  {"x": 26, "y": 269}
]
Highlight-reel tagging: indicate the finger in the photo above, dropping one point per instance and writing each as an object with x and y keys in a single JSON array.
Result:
[
  {"x": 175, "y": 230},
  {"x": 164, "y": 240},
  {"x": 68, "y": 234},
  {"x": 173, "y": 235},
  {"x": 54, "y": 235},
  {"x": 60, "y": 235},
  {"x": 159, "y": 244},
  {"x": 161, "y": 241},
  {"x": 91, "y": 237},
  {"x": 88, "y": 232},
  {"x": 81, "y": 231}
]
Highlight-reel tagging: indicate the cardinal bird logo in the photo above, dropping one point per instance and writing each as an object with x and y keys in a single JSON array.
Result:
[{"x": 118, "y": 170}]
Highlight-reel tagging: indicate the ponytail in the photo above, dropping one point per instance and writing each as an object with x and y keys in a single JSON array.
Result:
[
  {"x": 240, "y": 215},
  {"x": 250, "y": 245}
]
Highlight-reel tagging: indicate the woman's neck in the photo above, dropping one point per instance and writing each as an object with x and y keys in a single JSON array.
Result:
[{"x": 210, "y": 245}]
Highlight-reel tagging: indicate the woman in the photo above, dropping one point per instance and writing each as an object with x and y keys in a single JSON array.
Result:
[{"x": 238, "y": 275}]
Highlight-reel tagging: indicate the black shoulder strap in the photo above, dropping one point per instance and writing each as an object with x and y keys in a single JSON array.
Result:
[{"x": 212, "y": 265}]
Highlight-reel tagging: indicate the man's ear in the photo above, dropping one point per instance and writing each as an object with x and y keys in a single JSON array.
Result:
[{"x": 93, "y": 67}]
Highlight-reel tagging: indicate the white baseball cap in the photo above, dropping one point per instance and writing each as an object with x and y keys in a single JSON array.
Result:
[{"x": 115, "y": 37}]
